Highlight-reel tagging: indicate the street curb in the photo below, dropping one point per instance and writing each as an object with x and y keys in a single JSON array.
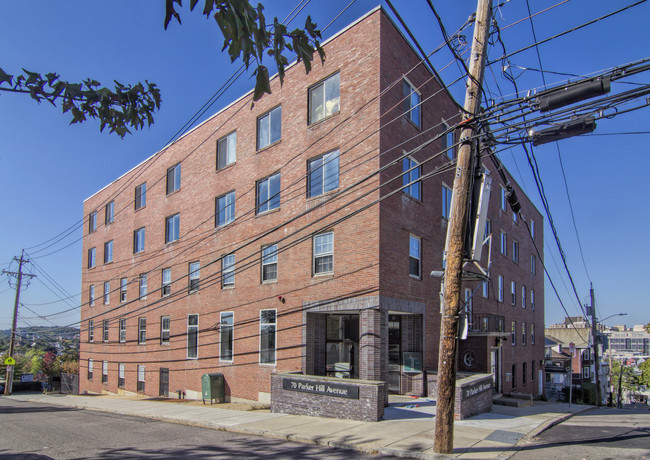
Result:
[{"x": 551, "y": 423}]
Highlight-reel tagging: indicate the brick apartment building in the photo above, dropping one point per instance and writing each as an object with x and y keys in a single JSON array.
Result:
[{"x": 279, "y": 238}]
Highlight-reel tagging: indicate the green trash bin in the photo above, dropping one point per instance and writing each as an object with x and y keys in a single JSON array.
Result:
[{"x": 213, "y": 387}]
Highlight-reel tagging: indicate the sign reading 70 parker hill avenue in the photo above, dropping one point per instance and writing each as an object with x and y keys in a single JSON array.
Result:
[{"x": 322, "y": 388}]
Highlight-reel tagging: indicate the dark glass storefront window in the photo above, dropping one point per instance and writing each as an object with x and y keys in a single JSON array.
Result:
[{"x": 343, "y": 346}]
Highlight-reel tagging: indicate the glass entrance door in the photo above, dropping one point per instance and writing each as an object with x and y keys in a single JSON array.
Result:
[
  {"x": 394, "y": 354},
  {"x": 343, "y": 346}
]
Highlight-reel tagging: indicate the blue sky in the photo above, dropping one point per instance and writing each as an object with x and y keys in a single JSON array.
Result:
[{"x": 48, "y": 167}]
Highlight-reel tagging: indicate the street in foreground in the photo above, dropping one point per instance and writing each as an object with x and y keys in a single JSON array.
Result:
[
  {"x": 596, "y": 434},
  {"x": 40, "y": 431}
]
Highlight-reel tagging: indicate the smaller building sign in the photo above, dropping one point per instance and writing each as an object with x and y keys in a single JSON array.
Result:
[
  {"x": 339, "y": 390},
  {"x": 26, "y": 378},
  {"x": 475, "y": 389}
]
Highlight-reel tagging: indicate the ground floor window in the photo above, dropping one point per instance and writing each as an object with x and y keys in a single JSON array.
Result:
[
  {"x": 120, "y": 375},
  {"x": 268, "y": 323},
  {"x": 140, "y": 378},
  {"x": 342, "y": 346}
]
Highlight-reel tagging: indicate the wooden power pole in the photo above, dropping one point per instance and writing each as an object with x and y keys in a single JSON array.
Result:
[
  {"x": 594, "y": 334},
  {"x": 444, "y": 429}
]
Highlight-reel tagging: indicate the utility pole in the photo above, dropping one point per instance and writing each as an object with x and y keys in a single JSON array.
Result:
[
  {"x": 444, "y": 429},
  {"x": 594, "y": 337},
  {"x": 10, "y": 367},
  {"x": 619, "y": 405}
]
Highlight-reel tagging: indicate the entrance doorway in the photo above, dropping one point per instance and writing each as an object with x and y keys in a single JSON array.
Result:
[
  {"x": 163, "y": 387},
  {"x": 495, "y": 368},
  {"x": 394, "y": 354},
  {"x": 342, "y": 347}
]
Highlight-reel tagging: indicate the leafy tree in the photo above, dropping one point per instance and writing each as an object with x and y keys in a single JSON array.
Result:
[
  {"x": 629, "y": 381},
  {"x": 127, "y": 107},
  {"x": 644, "y": 379}
]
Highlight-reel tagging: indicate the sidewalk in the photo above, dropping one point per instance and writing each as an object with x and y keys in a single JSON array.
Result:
[{"x": 407, "y": 430}]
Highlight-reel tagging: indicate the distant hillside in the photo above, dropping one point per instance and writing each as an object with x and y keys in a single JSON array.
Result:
[{"x": 60, "y": 338}]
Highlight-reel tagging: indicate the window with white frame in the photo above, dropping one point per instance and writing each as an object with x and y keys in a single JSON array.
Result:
[
  {"x": 104, "y": 371},
  {"x": 227, "y": 150},
  {"x": 228, "y": 270},
  {"x": 92, "y": 222},
  {"x": 140, "y": 387},
  {"x": 172, "y": 228},
  {"x": 323, "y": 253},
  {"x": 142, "y": 281},
  {"x": 270, "y": 263},
  {"x": 500, "y": 288},
  {"x": 120, "y": 375},
  {"x": 523, "y": 333},
  {"x": 323, "y": 174},
  {"x": 585, "y": 372},
  {"x": 324, "y": 98},
  {"x": 165, "y": 328},
  {"x": 226, "y": 325},
  {"x": 269, "y": 127},
  {"x": 533, "y": 264},
  {"x": 91, "y": 295},
  {"x": 504, "y": 243},
  {"x": 504, "y": 199},
  {"x": 105, "y": 330},
  {"x": 513, "y": 292},
  {"x": 268, "y": 326},
  {"x": 173, "y": 178},
  {"x": 122, "y": 326},
  {"x": 515, "y": 251},
  {"x": 138, "y": 240},
  {"x": 446, "y": 202},
  {"x": 415, "y": 256},
  {"x": 192, "y": 336},
  {"x": 225, "y": 209},
  {"x": 268, "y": 193},
  {"x": 523, "y": 296},
  {"x": 166, "y": 288},
  {"x": 107, "y": 292},
  {"x": 194, "y": 277},
  {"x": 141, "y": 196},
  {"x": 108, "y": 252},
  {"x": 513, "y": 335},
  {"x": 90, "y": 369},
  {"x": 412, "y": 172},
  {"x": 91, "y": 258},
  {"x": 486, "y": 289},
  {"x": 142, "y": 331},
  {"x": 411, "y": 103},
  {"x": 109, "y": 213},
  {"x": 91, "y": 330},
  {"x": 123, "y": 285}
]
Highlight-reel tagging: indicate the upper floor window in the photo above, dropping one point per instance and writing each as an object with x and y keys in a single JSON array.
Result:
[
  {"x": 532, "y": 335},
  {"x": 92, "y": 222},
  {"x": 108, "y": 252},
  {"x": 323, "y": 253},
  {"x": 523, "y": 333},
  {"x": 172, "y": 228},
  {"x": 504, "y": 243},
  {"x": 270, "y": 263},
  {"x": 91, "y": 295},
  {"x": 268, "y": 193},
  {"x": 515, "y": 251},
  {"x": 533, "y": 263},
  {"x": 504, "y": 199},
  {"x": 194, "y": 277},
  {"x": 91, "y": 258},
  {"x": 107, "y": 292},
  {"x": 192, "y": 336},
  {"x": 225, "y": 209},
  {"x": 523, "y": 296},
  {"x": 142, "y": 330},
  {"x": 122, "y": 330},
  {"x": 514, "y": 333},
  {"x": 449, "y": 142},
  {"x": 514, "y": 217},
  {"x": 323, "y": 174},
  {"x": 446, "y": 202},
  {"x": 165, "y": 327},
  {"x": 123, "y": 285},
  {"x": 138, "y": 240},
  {"x": 142, "y": 291},
  {"x": 532, "y": 228},
  {"x": 488, "y": 229},
  {"x": 105, "y": 330},
  {"x": 166, "y": 287},
  {"x": 140, "y": 196},
  {"x": 500, "y": 288},
  {"x": 532, "y": 299},
  {"x": 513, "y": 292},
  {"x": 412, "y": 172},
  {"x": 415, "y": 256},
  {"x": 486, "y": 289},
  {"x": 412, "y": 100},
  {"x": 227, "y": 150},
  {"x": 109, "y": 213},
  {"x": 269, "y": 128},
  {"x": 228, "y": 270},
  {"x": 324, "y": 98},
  {"x": 173, "y": 178},
  {"x": 91, "y": 330}
]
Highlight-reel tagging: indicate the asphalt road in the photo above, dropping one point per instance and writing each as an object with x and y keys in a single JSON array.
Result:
[
  {"x": 37, "y": 431},
  {"x": 595, "y": 434}
]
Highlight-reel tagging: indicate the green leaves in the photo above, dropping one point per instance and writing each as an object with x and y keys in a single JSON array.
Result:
[{"x": 126, "y": 108}]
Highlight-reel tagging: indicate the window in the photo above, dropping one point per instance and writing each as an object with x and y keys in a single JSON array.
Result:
[
  {"x": 104, "y": 371},
  {"x": 532, "y": 371},
  {"x": 140, "y": 378},
  {"x": 523, "y": 373},
  {"x": 585, "y": 372},
  {"x": 514, "y": 219},
  {"x": 143, "y": 285},
  {"x": 324, "y": 98},
  {"x": 226, "y": 329},
  {"x": 92, "y": 221},
  {"x": 225, "y": 209},
  {"x": 109, "y": 213},
  {"x": 269, "y": 128},
  {"x": 446, "y": 202},
  {"x": 515, "y": 251},
  {"x": 122, "y": 330},
  {"x": 120, "y": 375},
  {"x": 142, "y": 330},
  {"x": 486, "y": 289},
  {"x": 166, "y": 288},
  {"x": 228, "y": 270},
  {"x": 488, "y": 229},
  {"x": 227, "y": 150},
  {"x": 90, "y": 369},
  {"x": 91, "y": 295},
  {"x": 412, "y": 100},
  {"x": 412, "y": 177},
  {"x": 268, "y": 193},
  {"x": 123, "y": 284},
  {"x": 194, "y": 277},
  {"x": 140, "y": 196},
  {"x": 514, "y": 333},
  {"x": 532, "y": 228},
  {"x": 533, "y": 265},
  {"x": 514, "y": 376},
  {"x": 500, "y": 288},
  {"x": 108, "y": 252},
  {"x": 107, "y": 292},
  {"x": 192, "y": 336},
  {"x": 523, "y": 333},
  {"x": 91, "y": 330},
  {"x": 270, "y": 262},
  {"x": 523, "y": 296},
  {"x": 504, "y": 243},
  {"x": 504, "y": 199},
  {"x": 324, "y": 253},
  {"x": 91, "y": 257},
  {"x": 105, "y": 330},
  {"x": 532, "y": 299},
  {"x": 173, "y": 178},
  {"x": 165, "y": 327},
  {"x": 267, "y": 336},
  {"x": 323, "y": 174},
  {"x": 449, "y": 141},
  {"x": 532, "y": 336},
  {"x": 513, "y": 292},
  {"x": 138, "y": 240},
  {"x": 415, "y": 257},
  {"x": 172, "y": 228}
]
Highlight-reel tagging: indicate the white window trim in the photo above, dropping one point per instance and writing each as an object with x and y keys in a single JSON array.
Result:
[
  {"x": 259, "y": 119},
  {"x": 309, "y": 99},
  {"x": 275, "y": 350},
  {"x": 419, "y": 259},
  {"x": 187, "y": 339},
  {"x": 228, "y": 271},
  {"x": 314, "y": 255},
  {"x": 273, "y": 254},
  {"x": 418, "y": 106},
  {"x": 232, "y": 326},
  {"x": 234, "y": 156}
]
